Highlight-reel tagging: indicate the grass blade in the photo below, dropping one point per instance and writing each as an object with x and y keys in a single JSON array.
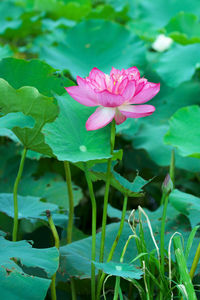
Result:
[{"x": 182, "y": 266}]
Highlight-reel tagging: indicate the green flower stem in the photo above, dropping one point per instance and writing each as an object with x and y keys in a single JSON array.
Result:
[
  {"x": 15, "y": 190},
  {"x": 53, "y": 229},
  {"x": 164, "y": 201},
  {"x": 71, "y": 217},
  {"x": 71, "y": 201},
  {"x": 162, "y": 234},
  {"x": 172, "y": 167},
  {"x": 57, "y": 244},
  {"x": 53, "y": 287},
  {"x": 94, "y": 216},
  {"x": 108, "y": 179},
  {"x": 117, "y": 285},
  {"x": 120, "y": 229},
  {"x": 195, "y": 262},
  {"x": 114, "y": 245}
]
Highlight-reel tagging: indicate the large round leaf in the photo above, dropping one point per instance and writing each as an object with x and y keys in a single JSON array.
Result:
[
  {"x": 5, "y": 51},
  {"x": 187, "y": 204},
  {"x": 150, "y": 137},
  {"x": 33, "y": 73},
  {"x": 68, "y": 137},
  {"x": 159, "y": 12},
  {"x": 95, "y": 43},
  {"x": 178, "y": 64},
  {"x": 51, "y": 188},
  {"x": 184, "y": 28},
  {"x": 73, "y": 9},
  {"x": 18, "y": 119},
  {"x": 184, "y": 131},
  {"x": 31, "y": 210},
  {"x": 15, "y": 283},
  {"x": 148, "y": 133},
  {"x": 28, "y": 207},
  {"x": 10, "y": 16},
  {"x": 30, "y": 102}
]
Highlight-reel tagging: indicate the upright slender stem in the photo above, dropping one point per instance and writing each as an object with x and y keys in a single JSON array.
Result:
[
  {"x": 71, "y": 217},
  {"x": 15, "y": 190},
  {"x": 117, "y": 285},
  {"x": 53, "y": 229},
  {"x": 164, "y": 201},
  {"x": 100, "y": 283},
  {"x": 172, "y": 167},
  {"x": 195, "y": 262},
  {"x": 57, "y": 245},
  {"x": 94, "y": 216},
  {"x": 114, "y": 245},
  {"x": 105, "y": 205},
  {"x": 162, "y": 234},
  {"x": 53, "y": 287},
  {"x": 71, "y": 201}
]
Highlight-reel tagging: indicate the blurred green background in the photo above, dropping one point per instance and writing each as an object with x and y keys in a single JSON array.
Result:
[{"x": 69, "y": 38}]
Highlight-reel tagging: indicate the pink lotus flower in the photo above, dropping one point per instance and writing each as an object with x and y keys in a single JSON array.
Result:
[{"x": 117, "y": 96}]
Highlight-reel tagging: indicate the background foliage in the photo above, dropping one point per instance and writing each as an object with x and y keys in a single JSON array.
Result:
[{"x": 44, "y": 45}]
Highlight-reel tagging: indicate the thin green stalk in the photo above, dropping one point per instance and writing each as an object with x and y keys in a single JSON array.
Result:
[
  {"x": 172, "y": 167},
  {"x": 117, "y": 285},
  {"x": 71, "y": 217},
  {"x": 107, "y": 188},
  {"x": 57, "y": 245},
  {"x": 114, "y": 245},
  {"x": 162, "y": 234},
  {"x": 53, "y": 287},
  {"x": 195, "y": 262},
  {"x": 145, "y": 260},
  {"x": 166, "y": 191},
  {"x": 71, "y": 201},
  {"x": 183, "y": 270},
  {"x": 53, "y": 229},
  {"x": 15, "y": 190},
  {"x": 164, "y": 201},
  {"x": 152, "y": 286},
  {"x": 94, "y": 216},
  {"x": 117, "y": 282}
]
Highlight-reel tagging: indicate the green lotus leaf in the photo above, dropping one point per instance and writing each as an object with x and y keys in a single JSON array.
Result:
[
  {"x": 187, "y": 204},
  {"x": 18, "y": 119},
  {"x": 5, "y": 51},
  {"x": 95, "y": 43},
  {"x": 120, "y": 269},
  {"x": 28, "y": 207},
  {"x": 184, "y": 131},
  {"x": 184, "y": 28},
  {"x": 159, "y": 13},
  {"x": 183, "y": 61},
  {"x": 30, "y": 102},
  {"x": 33, "y": 73},
  {"x": 68, "y": 137},
  {"x": 15, "y": 283}
]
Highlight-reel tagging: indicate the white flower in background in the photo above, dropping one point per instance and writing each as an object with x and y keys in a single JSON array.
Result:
[{"x": 162, "y": 43}]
